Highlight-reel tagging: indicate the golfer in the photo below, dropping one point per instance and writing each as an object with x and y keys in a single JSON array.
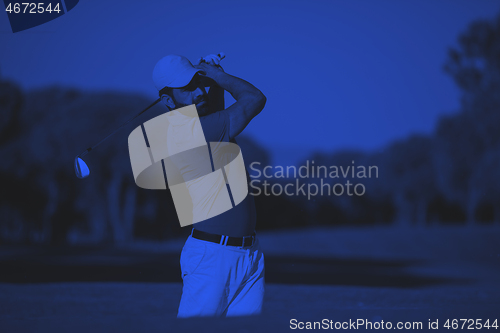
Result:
[{"x": 221, "y": 262}]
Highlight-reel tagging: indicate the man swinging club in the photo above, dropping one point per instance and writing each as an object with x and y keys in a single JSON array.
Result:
[{"x": 221, "y": 262}]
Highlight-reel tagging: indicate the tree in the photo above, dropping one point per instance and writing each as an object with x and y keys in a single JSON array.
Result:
[
  {"x": 11, "y": 102},
  {"x": 58, "y": 124},
  {"x": 464, "y": 139},
  {"x": 406, "y": 170}
]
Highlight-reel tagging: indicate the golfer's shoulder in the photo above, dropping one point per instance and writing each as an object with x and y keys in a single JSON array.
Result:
[{"x": 216, "y": 126}]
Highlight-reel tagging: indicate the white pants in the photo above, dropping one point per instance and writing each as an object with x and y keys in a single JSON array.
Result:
[{"x": 221, "y": 280}]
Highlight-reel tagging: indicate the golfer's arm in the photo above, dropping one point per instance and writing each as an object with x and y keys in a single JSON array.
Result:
[{"x": 249, "y": 101}]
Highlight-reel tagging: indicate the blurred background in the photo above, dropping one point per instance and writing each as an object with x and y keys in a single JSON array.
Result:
[
  {"x": 411, "y": 87},
  {"x": 360, "y": 89}
]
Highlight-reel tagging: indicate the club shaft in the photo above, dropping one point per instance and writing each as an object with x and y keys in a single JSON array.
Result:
[{"x": 116, "y": 130}]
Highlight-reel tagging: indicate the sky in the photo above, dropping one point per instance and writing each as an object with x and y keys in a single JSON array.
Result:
[{"x": 337, "y": 74}]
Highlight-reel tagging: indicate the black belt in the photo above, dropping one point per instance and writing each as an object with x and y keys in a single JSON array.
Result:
[{"x": 224, "y": 240}]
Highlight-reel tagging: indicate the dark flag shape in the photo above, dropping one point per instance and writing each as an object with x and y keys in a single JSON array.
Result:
[{"x": 26, "y": 15}]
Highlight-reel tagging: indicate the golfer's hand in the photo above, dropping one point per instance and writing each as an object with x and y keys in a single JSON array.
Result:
[{"x": 212, "y": 59}]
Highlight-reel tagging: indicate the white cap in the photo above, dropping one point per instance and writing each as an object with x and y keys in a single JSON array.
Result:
[{"x": 173, "y": 71}]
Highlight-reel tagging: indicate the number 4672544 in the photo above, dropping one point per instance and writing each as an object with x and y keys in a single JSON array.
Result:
[
  {"x": 470, "y": 324},
  {"x": 32, "y": 8}
]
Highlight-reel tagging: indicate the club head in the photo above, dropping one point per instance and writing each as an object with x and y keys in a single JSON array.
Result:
[{"x": 81, "y": 168}]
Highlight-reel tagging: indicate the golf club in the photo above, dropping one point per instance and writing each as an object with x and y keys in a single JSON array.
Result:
[{"x": 81, "y": 168}]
